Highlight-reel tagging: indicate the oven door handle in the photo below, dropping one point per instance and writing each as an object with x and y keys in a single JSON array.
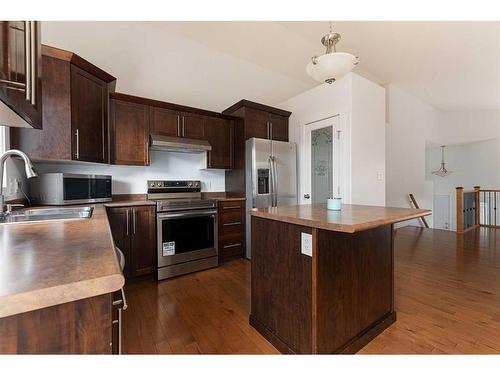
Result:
[{"x": 172, "y": 215}]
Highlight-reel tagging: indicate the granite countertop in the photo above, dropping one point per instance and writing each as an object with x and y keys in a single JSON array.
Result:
[
  {"x": 50, "y": 263},
  {"x": 352, "y": 218}
]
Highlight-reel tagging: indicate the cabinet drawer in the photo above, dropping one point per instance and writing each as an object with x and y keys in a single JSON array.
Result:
[
  {"x": 231, "y": 216},
  {"x": 232, "y": 227},
  {"x": 226, "y": 206},
  {"x": 232, "y": 246}
]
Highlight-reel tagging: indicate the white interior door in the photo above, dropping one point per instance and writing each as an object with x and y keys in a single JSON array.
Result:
[
  {"x": 441, "y": 212},
  {"x": 320, "y": 177}
]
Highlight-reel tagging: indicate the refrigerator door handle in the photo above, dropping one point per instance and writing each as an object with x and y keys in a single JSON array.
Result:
[
  {"x": 274, "y": 187},
  {"x": 271, "y": 182}
]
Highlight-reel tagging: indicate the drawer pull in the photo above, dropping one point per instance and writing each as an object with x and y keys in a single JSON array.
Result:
[
  {"x": 231, "y": 207},
  {"x": 233, "y": 223},
  {"x": 233, "y": 245}
]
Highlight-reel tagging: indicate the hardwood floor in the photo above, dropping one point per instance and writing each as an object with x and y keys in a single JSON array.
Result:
[
  {"x": 203, "y": 312},
  {"x": 447, "y": 301}
]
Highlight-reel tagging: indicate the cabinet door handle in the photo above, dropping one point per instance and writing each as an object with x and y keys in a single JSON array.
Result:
[
  {"x": 232, "y": 245},
  {"x": 27, "y": 51},
  {"x": 233, "y": 223},
  {"x": 119, "y": 321},
  {"x": 77, "y": 135},
  {"x": 183, "y": 130},
  {"x": 271, "y": 125},
  {"x": 133, "y": 219},
  {"x": 127, "y": 222},
  {"x": 33, "y": 62},
  {"x": 231, "y": 207}
]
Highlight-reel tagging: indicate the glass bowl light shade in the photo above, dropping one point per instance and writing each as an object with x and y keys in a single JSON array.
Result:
[{"x": 331, "y": 66}]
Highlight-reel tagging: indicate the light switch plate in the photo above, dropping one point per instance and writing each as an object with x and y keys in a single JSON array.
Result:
[{"x": 306, "y": 244}]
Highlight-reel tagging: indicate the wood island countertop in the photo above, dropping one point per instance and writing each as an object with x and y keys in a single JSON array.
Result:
[
  {"x": 351, "y": 219},
  {"x": 50, "y": 263}
]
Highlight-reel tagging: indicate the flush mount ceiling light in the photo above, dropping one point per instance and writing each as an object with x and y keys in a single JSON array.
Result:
[
  {"x": 442, "y": 172},
  {"x": 332, "y": 65}
]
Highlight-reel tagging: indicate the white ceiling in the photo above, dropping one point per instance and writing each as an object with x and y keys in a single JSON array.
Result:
[{"x": 450, "y": 65}]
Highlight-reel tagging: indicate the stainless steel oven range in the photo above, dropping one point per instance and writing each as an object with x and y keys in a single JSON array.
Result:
[{"x": 186, "y": 227}]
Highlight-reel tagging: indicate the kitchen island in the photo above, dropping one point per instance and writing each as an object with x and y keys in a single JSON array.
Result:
[{"x": 323, "y": 281}]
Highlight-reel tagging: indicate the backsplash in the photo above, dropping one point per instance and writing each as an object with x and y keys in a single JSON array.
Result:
[{"x": 132, "y": 179}]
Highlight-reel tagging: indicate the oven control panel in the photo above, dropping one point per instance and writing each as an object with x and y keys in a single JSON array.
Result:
[{"x": 177, "y": 186}]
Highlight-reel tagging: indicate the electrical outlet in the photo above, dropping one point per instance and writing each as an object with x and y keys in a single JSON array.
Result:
[
  {"x": 380, "y": 176},
  {"x": 306, "y": 244}
]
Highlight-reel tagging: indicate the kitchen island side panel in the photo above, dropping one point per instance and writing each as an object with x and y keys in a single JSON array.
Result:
[
  {"x": 281, "y": 285},
  {"x": 355, "y": 287}
]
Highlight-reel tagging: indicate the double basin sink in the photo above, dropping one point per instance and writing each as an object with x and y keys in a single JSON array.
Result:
[{"x": 46, "y": 214}]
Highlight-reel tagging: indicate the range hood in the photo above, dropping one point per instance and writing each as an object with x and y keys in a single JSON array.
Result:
[{"x": 178, "y": 144}]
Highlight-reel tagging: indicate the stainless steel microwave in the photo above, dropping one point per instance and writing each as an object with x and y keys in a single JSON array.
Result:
[{"x": 67, "y": 188}]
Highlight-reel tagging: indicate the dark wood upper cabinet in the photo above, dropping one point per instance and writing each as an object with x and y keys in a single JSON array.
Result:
[
  {"x": 193, "y": 126},
  {"x": 219, "y": 133},
  {"x": 133, "y": 230},
  {"x": 165, "y": 122},
  {"x": 278, "y": 127},
  {"x": 168, "y": 119},
  {"x": 75, "y": 111},
  {"x": 261, "y": 121},
  {"x": 129, "y": 133},
  {"x": 253, "y": 120},
  {"x": 177, "y": 123},
  {"x": 21, "y": 73},
  {"x": 89, "y": 116},
  {"x": 257, "y": 124}
]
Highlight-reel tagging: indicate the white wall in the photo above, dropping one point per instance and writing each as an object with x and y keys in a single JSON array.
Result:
[
  {"x": 458, "y": 127},
  {"x": 360, "y": 105},
  {"x": 368, "y": 142},
  {"x": 132, "y": 180},
  {"x": 411, "y": 124}
]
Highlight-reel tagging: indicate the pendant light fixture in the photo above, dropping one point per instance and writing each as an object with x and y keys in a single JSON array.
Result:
[
  {"x": 442, "y": 172},
  {"x": 332, "y": 65}
]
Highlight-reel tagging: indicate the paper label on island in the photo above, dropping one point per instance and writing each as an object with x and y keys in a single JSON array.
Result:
[{"x": 168, "y": 248}]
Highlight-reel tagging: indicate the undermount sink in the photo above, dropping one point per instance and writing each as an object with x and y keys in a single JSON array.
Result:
[{"x": 47, "y": 214}]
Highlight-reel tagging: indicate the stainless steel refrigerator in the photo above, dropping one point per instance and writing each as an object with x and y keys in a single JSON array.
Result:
[{"x": 271, "y": 177}]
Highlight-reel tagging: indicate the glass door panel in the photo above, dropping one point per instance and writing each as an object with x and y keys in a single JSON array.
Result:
[{"x": 321, "y": 164}]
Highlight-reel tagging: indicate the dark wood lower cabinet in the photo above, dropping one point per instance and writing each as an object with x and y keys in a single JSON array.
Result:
[
  {"x": 334, "y": 301},
  {"x": 79, "y": 327},
  {"x": 231, "y": 222},
  {"x": 134, "y": 232}
]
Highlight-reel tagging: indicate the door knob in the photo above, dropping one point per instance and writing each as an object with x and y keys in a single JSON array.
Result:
[{"x": 307, "y": 196}]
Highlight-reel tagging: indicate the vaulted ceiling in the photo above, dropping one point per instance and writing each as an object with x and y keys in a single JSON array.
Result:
[{"x": 450, "y": 65}]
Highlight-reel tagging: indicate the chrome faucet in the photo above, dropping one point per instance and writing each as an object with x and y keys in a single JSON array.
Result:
[{"x": 28, "y": 167}]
